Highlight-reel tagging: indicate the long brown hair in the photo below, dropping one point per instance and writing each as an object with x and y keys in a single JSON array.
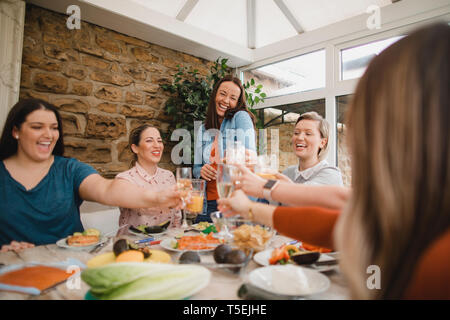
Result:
[
  {"x": 400, "y": 141},
  {"x": 17, "y": 116},
  {"x": 212, "y": 119}
]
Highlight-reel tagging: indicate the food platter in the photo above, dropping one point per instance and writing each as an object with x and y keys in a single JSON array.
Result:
[
  {"x": 62, "y": 243},
  {"x": 157, "y": 256},
  {"x": 146, "y": 235},
  {"x": 289, "y": 280},
  {"x": 169, "y": 244},
  {"x": 262, "y": 258}
]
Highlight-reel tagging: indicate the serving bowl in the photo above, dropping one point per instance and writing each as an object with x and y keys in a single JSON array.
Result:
[{"x": 249, "y": 235}]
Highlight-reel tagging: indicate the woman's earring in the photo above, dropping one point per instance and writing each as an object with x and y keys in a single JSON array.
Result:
[{"x": 17, "y": 137}]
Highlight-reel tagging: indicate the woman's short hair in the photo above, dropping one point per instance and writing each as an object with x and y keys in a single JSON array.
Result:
[
  {"x": 324, "y": 129},
  {"x": 17, "y": 116}
]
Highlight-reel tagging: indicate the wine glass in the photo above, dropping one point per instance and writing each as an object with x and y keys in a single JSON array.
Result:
[
  {"x": 184, "y": 184},
  {"x": 195, "y": 205},
  {"x": 225, "y": 187},
  {"x": 235, "y": 153}
]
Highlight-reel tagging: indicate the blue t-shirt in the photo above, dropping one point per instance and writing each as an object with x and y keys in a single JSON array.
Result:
[{"x": 48, "y": 212}]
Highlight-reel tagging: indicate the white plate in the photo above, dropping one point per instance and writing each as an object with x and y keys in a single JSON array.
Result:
[
  {"x": 146, "y": 235},
  {"x": 262, "y": 258},
  {"x": 289, "y": 280},
  {"x": 62, "y": 243},
  {"x": 168, "y": 244}
]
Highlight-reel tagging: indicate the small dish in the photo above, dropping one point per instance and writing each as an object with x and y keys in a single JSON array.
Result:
[
  {"x": 262, "y": 258},
  {"x": 289, "y": 280},
  {"x": 62, "y": 243}
]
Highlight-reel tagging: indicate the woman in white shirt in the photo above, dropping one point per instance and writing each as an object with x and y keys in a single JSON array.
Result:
[{"x": 310, "y": 145}]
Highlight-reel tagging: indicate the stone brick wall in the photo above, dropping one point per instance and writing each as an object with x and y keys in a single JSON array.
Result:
[{"x": 103, "y": 82}]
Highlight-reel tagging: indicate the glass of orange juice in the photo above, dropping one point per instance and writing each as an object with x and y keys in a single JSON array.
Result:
[
  {"x": 267, "y": 166},
  {"x": 195, "y": 204}
]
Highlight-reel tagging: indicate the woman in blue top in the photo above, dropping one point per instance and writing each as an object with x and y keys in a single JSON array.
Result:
[
  {"x": 228, "y": 119},
  {"x": 41, "y": 191}
]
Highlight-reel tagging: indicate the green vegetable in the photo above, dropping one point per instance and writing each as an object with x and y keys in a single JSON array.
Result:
[
  {"x": 136, "y": 281},
  {"x": 141, "y": 227},
  {"x": 209, "y": 229},
  {"x": 291, "y": 252}
]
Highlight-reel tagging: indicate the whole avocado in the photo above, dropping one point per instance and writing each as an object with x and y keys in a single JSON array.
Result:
[
  {"x": 189, "y": 257},
  {"x": 120, "y": 246},
  {"x": 220, "y": 252},
  {"x": 235, "y": 257}
]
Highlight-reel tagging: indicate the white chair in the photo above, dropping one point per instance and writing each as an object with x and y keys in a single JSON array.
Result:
[{"x": 100, "y": 217}]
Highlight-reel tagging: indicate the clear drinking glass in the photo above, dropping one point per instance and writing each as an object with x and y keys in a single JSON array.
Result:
[
  {"x": 225, "y": 187},
  {"x": 225, "y": 174},
  {"x": 195, "y": 204},
  {"x": 235, "y": 153},
  {"x": 184, "y": 184},
  {"x": 267, "y": 166}
]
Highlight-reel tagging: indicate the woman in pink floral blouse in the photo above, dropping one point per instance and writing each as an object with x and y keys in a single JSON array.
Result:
[{"x": 147, "y": 146}]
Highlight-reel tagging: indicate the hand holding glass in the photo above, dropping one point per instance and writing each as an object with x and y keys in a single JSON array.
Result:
[{"x": 184, "y": 184}]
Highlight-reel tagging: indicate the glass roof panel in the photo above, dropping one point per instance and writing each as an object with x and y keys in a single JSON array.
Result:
[
  {"x": 227, "y": 19},
  {"x": 319, "y": 13},
  {"x": 271, "y": 24}
]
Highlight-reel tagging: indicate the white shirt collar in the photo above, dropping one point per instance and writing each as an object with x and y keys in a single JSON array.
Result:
[{"x": 308, "y": 173}]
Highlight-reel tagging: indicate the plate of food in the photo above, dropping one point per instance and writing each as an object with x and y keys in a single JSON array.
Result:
[
  {"x": 82, "y": 240},
  {"x": 296, "y": 255},
  {"x": 289, "y": 280},
  {"x": 204, "y": 227},
  {"x": 199, "y": 243},
  {"x": 144, "y": 231},
  {"x": 124, "y": 251}
]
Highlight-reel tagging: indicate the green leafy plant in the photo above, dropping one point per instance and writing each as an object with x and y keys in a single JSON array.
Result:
[
  {"x": 190, "y": 92},
  {"x": 253, "y": 96}
]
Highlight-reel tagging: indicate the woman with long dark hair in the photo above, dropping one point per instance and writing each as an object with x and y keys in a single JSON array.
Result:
[
  {"x": 41, "y": 191},
  {"x": 228, "y": 119}
]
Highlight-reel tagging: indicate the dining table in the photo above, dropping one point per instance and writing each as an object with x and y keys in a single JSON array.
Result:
[{"x": 222, "y": 285}]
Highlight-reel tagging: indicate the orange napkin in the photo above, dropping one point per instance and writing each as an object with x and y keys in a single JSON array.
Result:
[{"x": 39, "y": 277}]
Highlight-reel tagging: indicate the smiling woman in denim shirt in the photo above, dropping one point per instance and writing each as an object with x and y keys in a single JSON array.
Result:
[{"x": 228, "y": 119}]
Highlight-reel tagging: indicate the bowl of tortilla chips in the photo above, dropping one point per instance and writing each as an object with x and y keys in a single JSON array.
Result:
[{"x": 249, "y": 235}]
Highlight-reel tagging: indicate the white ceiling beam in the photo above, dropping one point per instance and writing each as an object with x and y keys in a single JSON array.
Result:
[
  {"x": 146, "y": 24},
  {"x": 251, "y": 24},
  {"x": 186, "y": 10},
  {"x": 288, "y": 14}
]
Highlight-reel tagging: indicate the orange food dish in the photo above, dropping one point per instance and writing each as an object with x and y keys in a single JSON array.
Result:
[
  {"x": 197, "y": 242},
  {"x": 310, "y": 247},
  {"x": 81, "y": 241},
  {"x": 40, "y": 277}
]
